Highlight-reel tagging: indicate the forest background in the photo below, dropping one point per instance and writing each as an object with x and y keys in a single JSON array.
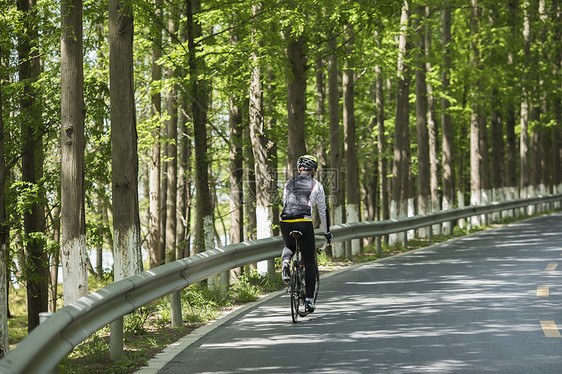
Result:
[{"x": 168, "y": 127}]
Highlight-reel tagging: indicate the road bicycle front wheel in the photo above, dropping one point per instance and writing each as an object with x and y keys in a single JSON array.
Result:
[{"x": 294, "y": 293}]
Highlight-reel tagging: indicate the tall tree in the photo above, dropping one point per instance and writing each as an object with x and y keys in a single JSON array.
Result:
[
  {"x": 475, "y": 160},
  {"x": 431, "y": 123},
  {"x": 172, "y": 137},
  {"x": 124, "y": 157},
  {"x": 4, "y": 231},
  {"x": 524, "y": 172},
  {"x": 260, "y": 146},
  {"x": 154, "y": 235},
  {"x": 73, "y": 218},
  {"x": 401, "y": 162},
  {"x": 381, "y": 138},
  {"x": 350, "y": 146},
  {"x": 204, "y": 230},
  {"x": 423, "y": 198},
  {"x": 35, "y": 266},
  {"x": 335, "y": 141},
  {"x": 446, "y": 126}
]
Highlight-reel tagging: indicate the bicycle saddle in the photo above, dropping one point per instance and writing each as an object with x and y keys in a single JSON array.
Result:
[{"x": 295, "y": 234}]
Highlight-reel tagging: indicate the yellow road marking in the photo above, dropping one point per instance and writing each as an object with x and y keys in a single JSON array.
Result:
[
  {"x": 551, "y": 266},
  {"x": 543, "y": 291},
  {"x": 550, "y": 329}
]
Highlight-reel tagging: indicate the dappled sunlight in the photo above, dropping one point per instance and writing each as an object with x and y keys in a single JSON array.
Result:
[{"x": 464, "y": 306}]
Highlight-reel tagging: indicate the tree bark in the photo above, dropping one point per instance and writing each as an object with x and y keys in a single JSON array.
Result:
[
  {"x": 124, "y": 157},
  {"x": 73, "y": 218}
]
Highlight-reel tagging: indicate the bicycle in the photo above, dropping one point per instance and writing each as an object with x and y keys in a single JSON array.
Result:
[{"x": 297, "y": 285}]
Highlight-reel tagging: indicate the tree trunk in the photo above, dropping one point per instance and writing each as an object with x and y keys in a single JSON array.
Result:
[
  {"x": 171, "y": 103},
  {"x": 296, "y": 101},
  {"x": 400, "y": 168},
  {"x": 524, "y": 172},
  {"x": 184, "y": 179},
  {"x": 350, "y": 147},
  {"x": 204, "y": 228},
  {"x": 424, "y": 203},
  {"x": 446, "y": 126},
  {"x": 154, "y": 223},
  {"x": 381, "y": 140},
  {"x": 260, "y": 144},
  {"x": 249, "y": 187},
  {"x": 484, "y": 163},
  {"x": 236, "y": 174},
  {"x": 73, "y": 218},
  {"x": 4, "y": 232},
  {"x": 431, "y": 127},
  {"x": 336, "y": 191},
  {"x": 475, "y": 155},
  {"x": 35, "y": 265},
  {"x": 124, "y": 158}
]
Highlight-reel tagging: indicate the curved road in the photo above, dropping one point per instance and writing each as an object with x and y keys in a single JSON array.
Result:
[{"x": 489, "y": 302}]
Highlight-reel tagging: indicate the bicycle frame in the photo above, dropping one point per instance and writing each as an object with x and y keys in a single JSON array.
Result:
[{"x": 297, "y": 287}]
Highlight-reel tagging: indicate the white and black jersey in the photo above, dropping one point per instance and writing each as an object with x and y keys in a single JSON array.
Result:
[{"x": 299, "y": 196}]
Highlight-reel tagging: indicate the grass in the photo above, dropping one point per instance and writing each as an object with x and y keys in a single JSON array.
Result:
[{"x": 148, "y": 330}]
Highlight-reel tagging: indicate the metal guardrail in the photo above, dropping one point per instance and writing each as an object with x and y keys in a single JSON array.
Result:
[{"x": 52, "y": 340}]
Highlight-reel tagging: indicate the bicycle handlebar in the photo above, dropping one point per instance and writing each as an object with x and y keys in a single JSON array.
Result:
[{"x": 323, "y": 247}]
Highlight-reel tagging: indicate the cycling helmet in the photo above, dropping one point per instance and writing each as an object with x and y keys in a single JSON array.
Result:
[{"x": 307, "y": 162}]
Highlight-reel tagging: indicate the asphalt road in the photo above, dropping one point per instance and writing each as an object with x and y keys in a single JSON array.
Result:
[{"x": 489, "y": 302}]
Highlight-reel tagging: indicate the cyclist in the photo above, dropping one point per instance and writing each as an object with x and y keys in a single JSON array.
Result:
[{"x": 299, "y": 196}]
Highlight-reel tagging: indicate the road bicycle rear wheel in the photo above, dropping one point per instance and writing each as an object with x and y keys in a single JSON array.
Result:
[
  {"x": 317, "y": 286},
  {"x": 303, "y": 311},
  {"x": 294, "y": 293}
]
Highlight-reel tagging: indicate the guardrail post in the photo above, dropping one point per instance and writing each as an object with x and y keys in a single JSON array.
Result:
[
  {"x": 42, "y": 318},
  {"x": 271, "y": 270},
  {"x": 378, "y": 240},
  {"x": 175, "y": 309},
  {"x": 430, "y": 233},
  {"x": 224, "y": 283},
  {"x": 116, "y": 338},
  {"x": 405, "y": 239}
]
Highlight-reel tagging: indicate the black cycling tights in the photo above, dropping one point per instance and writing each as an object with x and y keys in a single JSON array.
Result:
[{"x": 307, "y": 246}]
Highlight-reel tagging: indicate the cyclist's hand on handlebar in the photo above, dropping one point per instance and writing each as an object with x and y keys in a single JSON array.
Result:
[{"x": 329, "y": 237}]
